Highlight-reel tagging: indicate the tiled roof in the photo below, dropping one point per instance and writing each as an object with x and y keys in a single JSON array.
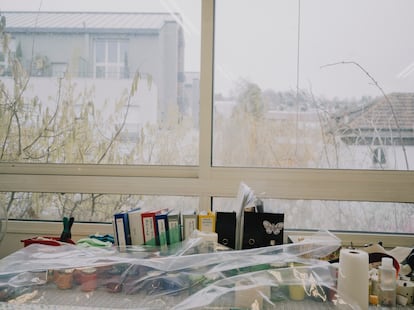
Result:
[
  {"x": 84, "y": 21},
  {"x": 397, "y": 113},
  {"x": 381, "y": 122}
]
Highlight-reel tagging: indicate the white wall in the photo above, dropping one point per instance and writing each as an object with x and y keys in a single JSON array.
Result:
[{"x": 104, "y": 93}]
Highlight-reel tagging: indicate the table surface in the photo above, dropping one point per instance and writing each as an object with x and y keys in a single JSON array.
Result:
[{"x": 50, "y": 297}]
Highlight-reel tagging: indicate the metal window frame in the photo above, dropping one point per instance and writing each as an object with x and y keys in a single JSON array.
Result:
[{"x": 206, "y": 181}]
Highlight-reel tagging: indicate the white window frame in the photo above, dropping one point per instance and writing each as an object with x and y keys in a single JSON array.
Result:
[
  {"x": 119, "y": 65},
  {"x": 205, "y": 181}
]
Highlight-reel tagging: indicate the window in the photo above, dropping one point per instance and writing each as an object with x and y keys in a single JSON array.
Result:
[
  {"x": 336, "y": 215},
  {"x": 6, "y": 53},
  {"x": 59, "y": 69},
  {"x": 111, "y": 59},
  {"x": 379, "y": 156},
  {"x": 273, "y": 130},
  {"x": 106, "y": 87},
  {"x": 305, "y": 87},
  {"x": 85, "y": 207}
]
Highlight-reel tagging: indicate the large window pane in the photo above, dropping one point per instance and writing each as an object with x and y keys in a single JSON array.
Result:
[
  {"x": 125, "y": 54},
  {"x": 336, "y": 215},
  {"x": 314, "y": 84},
  {"x": 86, "y": 207},
  {"x": 113, "y": 51},
  {"x": 100, "y": 51}
]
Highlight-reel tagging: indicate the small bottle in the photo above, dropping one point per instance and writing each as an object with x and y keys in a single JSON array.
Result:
[{"x": 388, "y": 283}]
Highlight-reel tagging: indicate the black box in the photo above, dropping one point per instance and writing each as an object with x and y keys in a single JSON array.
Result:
[
  {"x": 262, "y": 229},
  {"x": 226, "y": 228}
]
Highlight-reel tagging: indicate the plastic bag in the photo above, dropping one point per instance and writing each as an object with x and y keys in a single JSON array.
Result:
[{"x": 145, "y": 277}]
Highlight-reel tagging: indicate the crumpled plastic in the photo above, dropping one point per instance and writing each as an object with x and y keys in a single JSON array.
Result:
[{"x": 190, "y": 275}]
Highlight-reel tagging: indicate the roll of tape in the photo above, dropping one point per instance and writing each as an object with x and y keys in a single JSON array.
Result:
[{"x": 406, "y": 289}]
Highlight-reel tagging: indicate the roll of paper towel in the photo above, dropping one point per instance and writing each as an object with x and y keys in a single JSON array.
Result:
[{"x": 353, "y": 277}]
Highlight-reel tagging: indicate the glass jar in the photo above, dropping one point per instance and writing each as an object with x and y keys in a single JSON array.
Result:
[
  {"x": 88, "y": 279},
  {"x": 64, "y": 278}
]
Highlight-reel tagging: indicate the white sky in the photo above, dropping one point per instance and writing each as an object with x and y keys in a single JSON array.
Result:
[
  {"x": 260, "y": 43},
  {"x": 257, "y": 40}
]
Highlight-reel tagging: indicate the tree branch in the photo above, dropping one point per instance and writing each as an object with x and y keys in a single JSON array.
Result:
[{"x": 387, "y": 99}]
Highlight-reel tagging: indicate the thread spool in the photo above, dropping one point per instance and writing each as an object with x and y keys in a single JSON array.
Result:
[{"x": 296, "y": 292}]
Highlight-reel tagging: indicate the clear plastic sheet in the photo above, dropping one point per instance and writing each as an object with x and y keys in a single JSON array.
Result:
[{"x": 196, "y": 274}]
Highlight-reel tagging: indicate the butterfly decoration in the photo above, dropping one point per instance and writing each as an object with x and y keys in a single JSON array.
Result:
[{"x": 272, "y": 228}]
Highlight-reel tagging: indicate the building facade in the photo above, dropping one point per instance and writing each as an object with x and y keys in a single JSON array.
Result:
[{"x": 102, "y": 46}]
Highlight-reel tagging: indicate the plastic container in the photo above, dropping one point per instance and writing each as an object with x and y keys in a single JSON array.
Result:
[{"x": 388, "y": 283}]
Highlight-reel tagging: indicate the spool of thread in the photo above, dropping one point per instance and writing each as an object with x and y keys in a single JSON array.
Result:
[
  {"x": 353, "y": 277},
  {"x": 373, "y": 300},
  {"x": 296, "y": 292}
]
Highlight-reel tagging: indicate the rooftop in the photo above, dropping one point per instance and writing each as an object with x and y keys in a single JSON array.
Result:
[
  {"x": 380, "y": 122},
  {"x": 395, "y": 113},
  {"x": 85, "y": 21}
]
